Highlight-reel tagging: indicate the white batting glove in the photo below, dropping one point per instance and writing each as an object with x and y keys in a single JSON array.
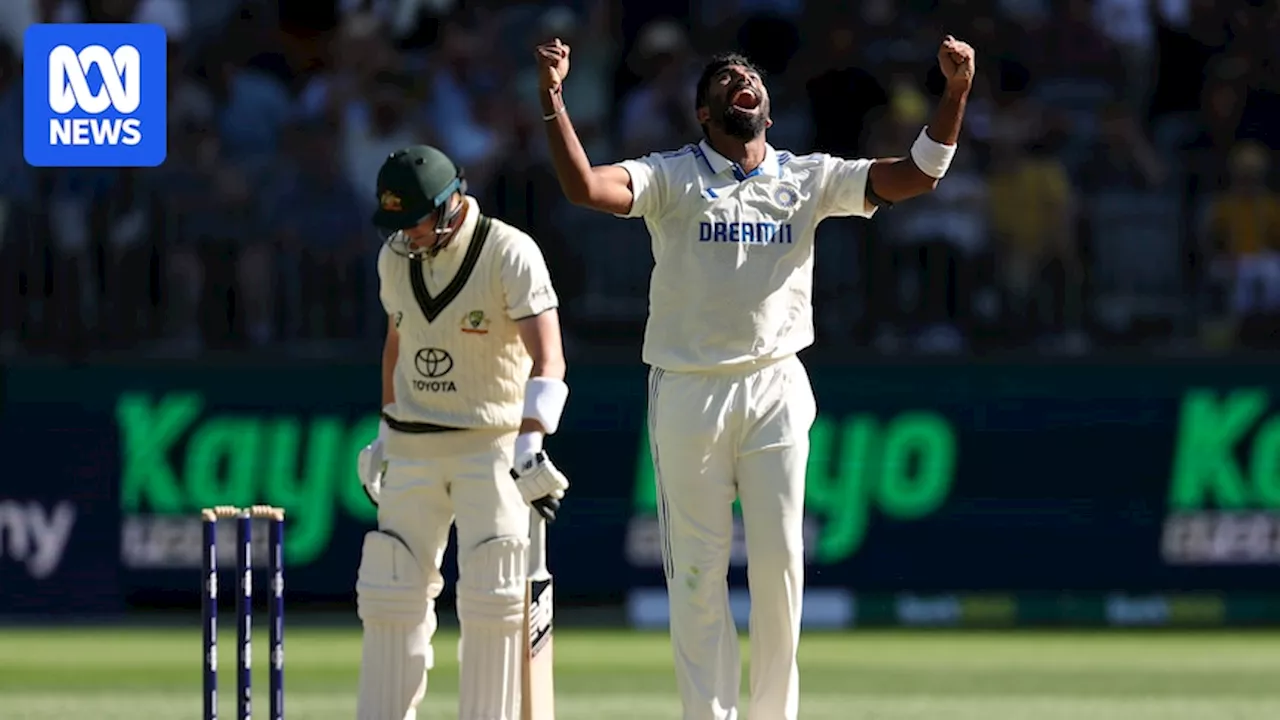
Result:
[
  {"x": 539, "y": 481},
  {"x": 371, "y": 466}
]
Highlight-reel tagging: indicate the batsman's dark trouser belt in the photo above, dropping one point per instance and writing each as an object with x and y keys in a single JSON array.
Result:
[{"x": 414, "y": 428}]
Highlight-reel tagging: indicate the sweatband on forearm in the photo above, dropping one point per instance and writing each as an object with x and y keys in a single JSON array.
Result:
[
  {"x": 932, "y": 157},
  {"x": 544, "y": 400}
]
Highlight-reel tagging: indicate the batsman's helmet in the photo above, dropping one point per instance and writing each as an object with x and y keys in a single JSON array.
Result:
[{"x": 413, "y": 183}]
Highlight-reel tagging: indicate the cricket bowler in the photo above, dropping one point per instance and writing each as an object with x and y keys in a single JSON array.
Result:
[
  {"x": 732, "y": 223},
  {"x": 472, "y": 380}
]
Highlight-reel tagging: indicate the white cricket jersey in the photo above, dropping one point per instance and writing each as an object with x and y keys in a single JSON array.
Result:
[
  {"x": 732, "y": 282},
  {"x": 462, "y": 362}
]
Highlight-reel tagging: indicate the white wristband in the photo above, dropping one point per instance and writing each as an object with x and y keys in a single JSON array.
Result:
[
  {"x": 932, "y": 157},
  {"x": 544, "y": 400}
]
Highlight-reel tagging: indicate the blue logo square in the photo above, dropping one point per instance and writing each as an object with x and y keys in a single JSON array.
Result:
[{"x": 95, "y": 95}]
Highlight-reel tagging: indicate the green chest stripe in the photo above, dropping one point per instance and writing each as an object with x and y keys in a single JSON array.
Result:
[{"x": 433, "y": 306}]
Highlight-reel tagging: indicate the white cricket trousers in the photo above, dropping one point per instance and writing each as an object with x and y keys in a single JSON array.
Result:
[
  {"x": 431, "y": 480},
  {"x": 433, "y": 483},
  {"x": 714, "y": 437}
]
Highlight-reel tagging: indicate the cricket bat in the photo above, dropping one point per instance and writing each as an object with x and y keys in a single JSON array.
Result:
[{"x": 537, "y": 681}]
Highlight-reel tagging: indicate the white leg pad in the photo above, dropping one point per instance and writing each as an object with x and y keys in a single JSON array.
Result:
[
  {"x": 399, "y": 619},
  {"x": 491, "y": 612}
]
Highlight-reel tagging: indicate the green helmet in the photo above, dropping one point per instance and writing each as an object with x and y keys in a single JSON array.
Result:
[{"x": 413, "y": 183}]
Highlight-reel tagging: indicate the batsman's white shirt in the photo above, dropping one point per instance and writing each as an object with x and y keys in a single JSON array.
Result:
[
  {"x": 732, "y": 281},
  {"x": 730, "y": 405},
  {"x": 462, "y": 362}
]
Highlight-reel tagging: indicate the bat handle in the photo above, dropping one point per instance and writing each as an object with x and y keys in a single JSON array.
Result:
[{"x": 537, "y": 545}]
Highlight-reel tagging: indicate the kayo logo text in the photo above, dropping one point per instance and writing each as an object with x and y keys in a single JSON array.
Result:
[{"x": 95, "y": 95}]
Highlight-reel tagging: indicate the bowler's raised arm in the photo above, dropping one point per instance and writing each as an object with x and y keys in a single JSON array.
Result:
[{"x": 606, "y": 188}]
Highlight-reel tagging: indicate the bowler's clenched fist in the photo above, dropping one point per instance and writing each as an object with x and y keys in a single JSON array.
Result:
[
  {"x": 553, "y": 64},
  {"x": 956, "y": 60}
]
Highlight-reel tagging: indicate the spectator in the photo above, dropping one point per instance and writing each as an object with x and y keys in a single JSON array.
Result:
[
  {"x": 1074, "y": 47},
  {"x": 525, "y": 193},
  {"x": 172, "y": 15},
  {"x": 16, "y": 177},
  {"x": 324, "y": 238},
  {"x": 1218, "y": 123},
  {"x": 17, "y": 191},
  {"x": 1129, "y": 24},
  {"x": 187, "y": 179},
  {"x": 1258, "y": 29},
  {"x": 589, "y": 87},
  {"x": 459, "y": 77},
  {"x": 659, "y": 111},
  {"x": 1124, "y": 156},
  {"x": 246, "y": 243},
  {"x": 219, "y": 257},
  {"x": 842, "y": 97},
  {"x": 373, "y": 129},
  {"x": 1244, "y": 239},
  {"x": 131, "y": 220},
  {"x": 1134, "y": 228},
  {"x": 248, "y": 135},
  {"x": 932, "y": 251},
  {"x": 1013, "y": 116},
  {"x": 1032, "y": 214},
  {"x": 1186, "y": 53},
  {"x": 350, "y": 67},
  {"x": 15, "y": 17},
  {"x": 255, "y": 109},
  {"x": 70, "y": 317},
  {"x": 190, "y": 100}
]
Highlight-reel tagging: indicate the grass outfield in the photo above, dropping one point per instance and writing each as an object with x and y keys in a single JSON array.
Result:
[{"x": 146, "y": 674}]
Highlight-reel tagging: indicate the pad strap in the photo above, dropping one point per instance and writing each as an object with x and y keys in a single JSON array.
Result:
[{"x": 544, "y": 400}]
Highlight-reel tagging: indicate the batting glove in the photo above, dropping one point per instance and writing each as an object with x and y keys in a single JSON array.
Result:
[
  {"x": 540, "y": 482},
  {"x": 371, "y": 466}
]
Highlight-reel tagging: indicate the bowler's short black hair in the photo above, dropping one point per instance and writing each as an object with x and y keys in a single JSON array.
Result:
[{"x": 715, "y": 65}]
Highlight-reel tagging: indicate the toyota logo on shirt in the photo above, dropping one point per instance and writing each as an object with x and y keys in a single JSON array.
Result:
[{"x": 433, "y": 362}]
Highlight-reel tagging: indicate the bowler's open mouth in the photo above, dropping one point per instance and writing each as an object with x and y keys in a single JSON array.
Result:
[{"x": 745, "y": 99}]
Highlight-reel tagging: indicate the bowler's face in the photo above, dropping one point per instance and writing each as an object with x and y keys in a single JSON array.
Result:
[{"x": 738, "y": 102}]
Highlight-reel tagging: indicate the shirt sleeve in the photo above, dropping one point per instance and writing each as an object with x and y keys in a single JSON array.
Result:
[
  {"x": 844, "y": 187},
  {"x": 648, "y": 185},
  {"x": 526, "y": 282}
]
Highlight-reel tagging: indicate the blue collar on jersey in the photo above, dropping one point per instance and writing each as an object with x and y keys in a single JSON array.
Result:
[{"x": 719, "y": 164}]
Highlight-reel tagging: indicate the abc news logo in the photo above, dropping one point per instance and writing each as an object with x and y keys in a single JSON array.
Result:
[
  {"x": 121, "y": 90},
  {"x": 95, "y": 95}
]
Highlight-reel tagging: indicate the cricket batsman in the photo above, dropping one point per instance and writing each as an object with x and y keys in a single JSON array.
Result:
[
  {"x": 732, "y": 221},
  {"x": 472, "y": 380}
]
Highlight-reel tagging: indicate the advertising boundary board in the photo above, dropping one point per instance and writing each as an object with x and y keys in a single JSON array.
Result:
[
  {"x": 59, "y": 517},
  {"x": 830, "y": 609},
  {"x": 972, "y": 480}
]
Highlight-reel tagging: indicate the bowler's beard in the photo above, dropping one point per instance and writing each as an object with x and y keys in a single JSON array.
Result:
[{"x": 740, "y": 125}]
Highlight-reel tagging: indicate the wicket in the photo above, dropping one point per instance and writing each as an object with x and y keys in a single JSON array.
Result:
[{"x": 244, "y": 518}]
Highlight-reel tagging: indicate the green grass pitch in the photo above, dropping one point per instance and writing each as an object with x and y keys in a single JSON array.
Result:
[{"x": 154, "y": 674}]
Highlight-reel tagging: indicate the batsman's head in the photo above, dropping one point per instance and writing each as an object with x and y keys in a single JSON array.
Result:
[
  {"x": 421, "y": 198},
  {"x": 732, "y": 99}
]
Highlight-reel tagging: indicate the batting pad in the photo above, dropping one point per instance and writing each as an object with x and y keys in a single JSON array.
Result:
[
  {"x": 391, "y": 599},
  {"x": 491, "y": 612}
]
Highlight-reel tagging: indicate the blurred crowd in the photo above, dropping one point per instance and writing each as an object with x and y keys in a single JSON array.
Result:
[{"x": 1115, "y": 189}]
